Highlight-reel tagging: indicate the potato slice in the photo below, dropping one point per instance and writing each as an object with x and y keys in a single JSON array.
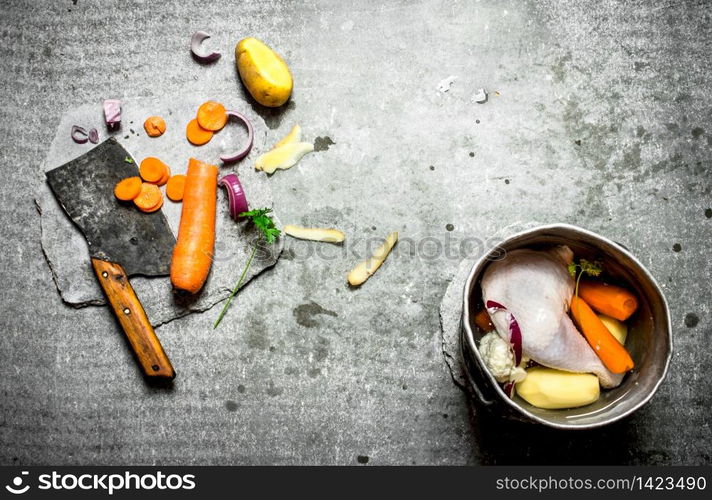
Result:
[
  {"x": 365, "y": 269},
  {"x": 283, "y": 157},
  {"x": 315, "y": 233},
  {"x": 295, "y": 135}
]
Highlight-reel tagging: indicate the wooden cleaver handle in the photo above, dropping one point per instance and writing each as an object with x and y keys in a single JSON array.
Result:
[{"x": 133, "y": 319}]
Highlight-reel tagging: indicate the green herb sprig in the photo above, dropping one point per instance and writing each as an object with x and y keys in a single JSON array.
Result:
[
  {"x": 587, "y": 267},
  {"x": 269, "y": 233}
]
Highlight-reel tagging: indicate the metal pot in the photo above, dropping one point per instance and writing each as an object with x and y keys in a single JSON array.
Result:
[{"x": 649, "y": 338}]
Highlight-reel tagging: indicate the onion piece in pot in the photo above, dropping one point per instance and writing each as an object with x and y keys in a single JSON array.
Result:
[
  {"x": 245, "y": 150},
  {"x": 195, "y": 41},
  {"x": 235, "y": 195},
  {"x": 515, "y": 333}
]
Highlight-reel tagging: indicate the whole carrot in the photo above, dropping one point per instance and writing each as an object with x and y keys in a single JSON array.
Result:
[
  {"x": 613, "y": 355},
  {"x": 611, "y": 300},
  {"x": 193, "y": 253}
]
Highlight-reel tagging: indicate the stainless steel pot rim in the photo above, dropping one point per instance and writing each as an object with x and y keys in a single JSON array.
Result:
[{"x": 475, "y": 352}]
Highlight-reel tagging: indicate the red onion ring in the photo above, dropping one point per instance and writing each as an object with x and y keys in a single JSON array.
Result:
[
  {"x": 79, "y": 135},
  {"x": 240, "y": 154},
  {"x": 515, "y": 333},
  {"x": 94, "y": 136},
  {"x": 235, "y": 195},
  {"x": 195, "y": 41}
]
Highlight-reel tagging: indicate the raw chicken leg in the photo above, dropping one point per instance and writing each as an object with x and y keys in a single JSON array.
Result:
[{"x": 536, "y": 288}]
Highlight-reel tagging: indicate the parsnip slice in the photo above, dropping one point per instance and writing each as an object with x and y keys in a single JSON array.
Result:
[
  {"x": 283, "y": 157},
  {"x": 295, "y": 135},
  {"x": 367, "y": 268},
  {"x": 315, "y": 233}
]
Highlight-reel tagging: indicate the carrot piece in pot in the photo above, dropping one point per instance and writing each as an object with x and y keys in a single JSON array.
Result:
[
  {"x": 613, "y": 355},
  {"x": 483, "y": 321},
  {"x": 611, "y": 300}
]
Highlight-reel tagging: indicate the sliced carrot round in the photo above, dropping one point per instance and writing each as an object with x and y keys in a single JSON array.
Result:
[
  {"x": 155, "y": 126},
  {"x": 196, "y": 134},
  {"x": 149, "y": 197},
  {"x": 212, "y": 116},
  {"x": 166, "y": 176},
  {"x": 175, "y": 187},
  {"x": 152, "y": 169},
  {"x": 153, "y": 209},
  {"x": 128, "y": 189}
]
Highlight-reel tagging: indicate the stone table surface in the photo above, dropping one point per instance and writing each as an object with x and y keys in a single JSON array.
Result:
[{"x": 598, "y": 115}]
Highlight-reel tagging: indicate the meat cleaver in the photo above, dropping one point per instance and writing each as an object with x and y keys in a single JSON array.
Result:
[{"x": 122, "y": 241}]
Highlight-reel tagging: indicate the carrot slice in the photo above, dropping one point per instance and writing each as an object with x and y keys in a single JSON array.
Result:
[
  {"x": 212, "y": 116},
  {"x": 175, "y": 187},
  {"x": 153, "y": 209},
  {"x": 611, "y": 300},
  {"x": 166, "y": 176},
  {"x": 196, "y": 134},
  {"x": 613, "y": 355},
  {"x": 152, "y": 169},
  {"x": 149, "y": 197},
  {"x": 155, "y": 126},
  {"x": 128, "y": 189}
]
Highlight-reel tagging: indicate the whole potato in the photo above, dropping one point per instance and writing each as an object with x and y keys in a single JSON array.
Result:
[{"x": 264, "y": 72}]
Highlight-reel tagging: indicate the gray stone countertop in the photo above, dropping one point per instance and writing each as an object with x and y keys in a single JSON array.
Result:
[{"x": 597, "y": 116}]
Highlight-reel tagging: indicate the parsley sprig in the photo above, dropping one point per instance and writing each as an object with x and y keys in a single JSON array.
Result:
[
  {"x": 269, "y": 233},
  {"x": 262, "y": 221},
  {"x": 587, "y": 267}
]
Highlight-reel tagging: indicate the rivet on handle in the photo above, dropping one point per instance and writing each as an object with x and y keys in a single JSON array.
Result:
[
  {"x": 104, "y": 274},
  {"x": 127, "y": 311}
]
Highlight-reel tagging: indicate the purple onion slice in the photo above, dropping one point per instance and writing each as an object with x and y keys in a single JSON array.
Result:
[
  {"x": 245, "y": 150},
  {"x": 195, "y": 42},
  {"x": 94, "y": 136},
  {"x": 515, "y": 333},
  {"x": 79, "y": 134},
  {"x": 509, "y": 389},
  {"x": 235, "y": 195}
]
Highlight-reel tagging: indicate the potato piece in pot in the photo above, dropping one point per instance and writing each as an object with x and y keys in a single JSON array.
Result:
[
  {"x": 617, "y": 328},
  {"x": 556, "y": 389}
]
